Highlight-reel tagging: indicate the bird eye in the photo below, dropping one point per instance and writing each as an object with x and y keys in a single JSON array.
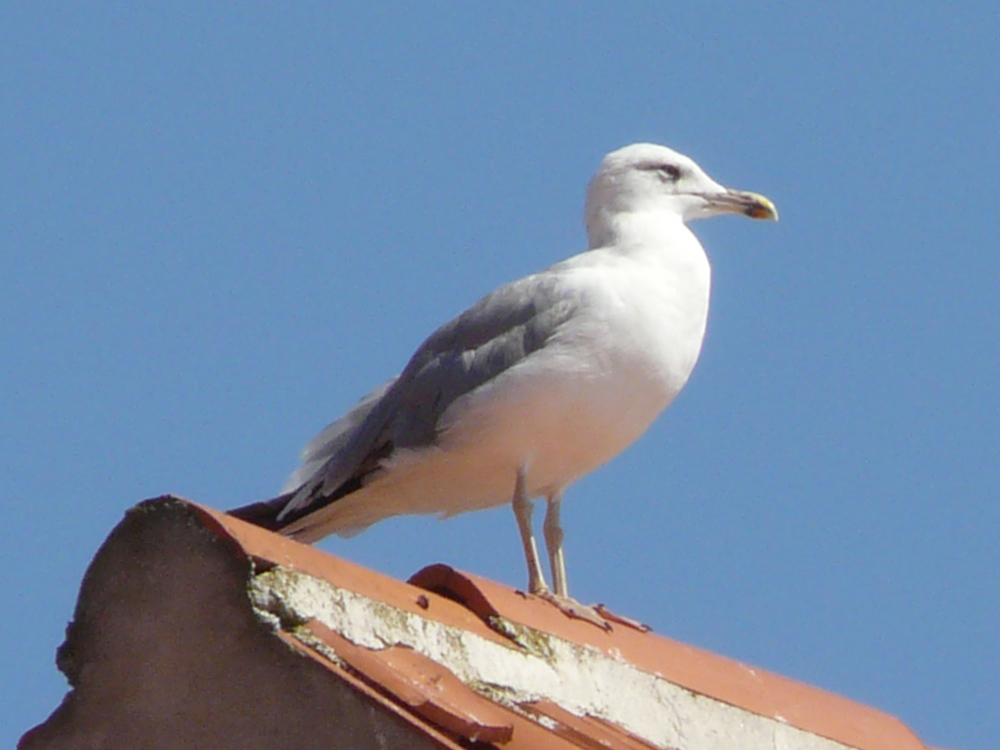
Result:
[{"x": 670, "y": 172}]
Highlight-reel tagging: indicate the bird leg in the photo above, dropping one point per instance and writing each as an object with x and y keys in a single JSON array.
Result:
[
  {"x": 560, "y": 598},
  {"x": 554, "y": 536},
  {"x": 596, "y": 614},
  {"x": 553, "y": 543},
  {"x": 523, "y": 508}
]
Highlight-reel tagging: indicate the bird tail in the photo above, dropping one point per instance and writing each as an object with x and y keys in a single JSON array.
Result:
[{"x": 265, "y": 513}]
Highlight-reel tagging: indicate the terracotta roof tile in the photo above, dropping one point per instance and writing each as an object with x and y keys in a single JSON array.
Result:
[
  {"x": 428, "y": 688},
  {"x": 441, "y": 609},
  {"x": 585, "y": 731},
  {"x": 269, "y": 548},
  {"x": 761, "y": 692},
  {"x": 365, "y": 688}
]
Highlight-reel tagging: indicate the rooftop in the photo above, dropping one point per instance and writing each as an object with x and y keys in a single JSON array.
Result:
[{"x": 196, "y": 629}]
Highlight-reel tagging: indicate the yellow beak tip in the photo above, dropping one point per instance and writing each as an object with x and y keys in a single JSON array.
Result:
[{"x": 762, "y": 208}]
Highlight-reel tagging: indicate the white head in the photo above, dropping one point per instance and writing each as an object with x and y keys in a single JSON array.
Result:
[{"x": 648, "y": 179}]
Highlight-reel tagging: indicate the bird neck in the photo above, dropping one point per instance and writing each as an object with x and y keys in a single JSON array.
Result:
[{"x": 635, "y": 228}]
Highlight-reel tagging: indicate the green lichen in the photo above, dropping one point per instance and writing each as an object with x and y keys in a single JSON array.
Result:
[
  {"x": 306, "y": 636},
  {"x": 535, "y": 642},
  {"x": 394, "y": 619},
  {"x": 502, "y": 694},
  {"x": 269, "y": 592}
]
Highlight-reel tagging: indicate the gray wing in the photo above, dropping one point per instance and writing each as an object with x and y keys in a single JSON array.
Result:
[
  {"x": 493, "y": 335},
  {"x": 496, "y": 333},
  {"x": 334, "y": 438}
]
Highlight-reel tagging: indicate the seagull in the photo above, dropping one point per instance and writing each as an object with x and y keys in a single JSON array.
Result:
[{"x": 539, "y": 383}]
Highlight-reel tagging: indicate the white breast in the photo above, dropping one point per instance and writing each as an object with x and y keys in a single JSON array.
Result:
[{"x": 601, "y": 380}]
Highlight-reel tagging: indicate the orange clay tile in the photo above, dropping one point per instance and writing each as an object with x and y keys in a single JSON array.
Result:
[
  {"x": 586, "y": 731},
  {"x": 425, "y": 686},
  {"x": 365, "y": 689},
  {"x": 269, "y": 548},
  {"x": 750, "y": 688},
  {"x": 433, "y": 696}
]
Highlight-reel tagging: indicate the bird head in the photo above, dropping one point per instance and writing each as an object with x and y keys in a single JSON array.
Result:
[{"x": 645, "y": 177}]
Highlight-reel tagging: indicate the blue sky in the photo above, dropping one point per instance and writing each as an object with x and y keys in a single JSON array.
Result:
[{"x": 222, "y": 224}]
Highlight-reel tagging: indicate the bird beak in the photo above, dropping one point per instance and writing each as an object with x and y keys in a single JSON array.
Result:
[{"x": 741, "y": 202}]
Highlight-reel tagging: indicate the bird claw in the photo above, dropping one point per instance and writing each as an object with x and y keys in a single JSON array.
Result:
[
  {"x": 596, "y": 614},
  {"x": 628, "y": 622},
  {"x": 577, "y": 611}
]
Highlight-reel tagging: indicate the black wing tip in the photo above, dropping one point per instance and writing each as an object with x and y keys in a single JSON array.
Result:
[{"x": 264, "y": 513}]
